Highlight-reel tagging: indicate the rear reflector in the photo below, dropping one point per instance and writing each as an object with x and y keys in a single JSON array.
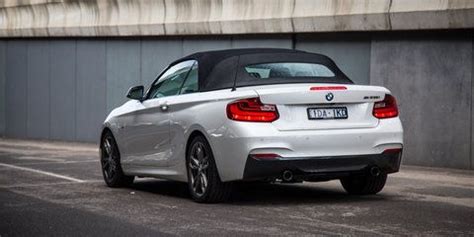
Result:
[
  {"x": 386, "y": 108},
  {"x": 328, "y": 88},
  {"x": 265, "y": 156},
  {"x": 392, "y": 151},
  {"x": 252, "y": 110}
]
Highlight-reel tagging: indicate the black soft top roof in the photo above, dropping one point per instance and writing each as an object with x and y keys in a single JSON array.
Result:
[{"x": 222, "y": 69}]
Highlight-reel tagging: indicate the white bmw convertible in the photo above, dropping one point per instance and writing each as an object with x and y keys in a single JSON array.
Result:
[{"x": 216, "y": 117}]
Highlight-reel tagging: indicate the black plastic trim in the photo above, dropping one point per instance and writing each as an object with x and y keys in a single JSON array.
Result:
[{"x": 321, "y": 168}]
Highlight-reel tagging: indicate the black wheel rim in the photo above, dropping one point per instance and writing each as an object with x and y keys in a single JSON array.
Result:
[
  {"x": 198, "y": 164},
  {"x": 108, "y": 159}
]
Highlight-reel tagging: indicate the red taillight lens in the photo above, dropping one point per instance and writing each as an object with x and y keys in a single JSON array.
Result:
[
  {"x": 327, "y": 88},
  {"x": 252, "y": 110},
  {"x": 386, "y": 108}
]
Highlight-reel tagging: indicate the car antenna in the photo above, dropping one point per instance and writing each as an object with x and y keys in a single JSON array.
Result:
[{"x": 235, "y": 75}]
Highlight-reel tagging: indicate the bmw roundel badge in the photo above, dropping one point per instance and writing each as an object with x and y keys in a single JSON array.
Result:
[{"x": 329, "y": 96}]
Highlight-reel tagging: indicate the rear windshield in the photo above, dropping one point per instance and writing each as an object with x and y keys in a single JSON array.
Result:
[{"x": 288, "y": 70}]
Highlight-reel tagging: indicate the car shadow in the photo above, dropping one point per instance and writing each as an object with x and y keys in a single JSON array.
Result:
[
  {"x": 264, "y": 193},
  {"x": 287, "y": 194},
  {"x": 162, "y": 187}
]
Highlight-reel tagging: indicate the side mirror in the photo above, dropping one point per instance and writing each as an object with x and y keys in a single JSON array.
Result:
[{"x": 135, "y": 93}]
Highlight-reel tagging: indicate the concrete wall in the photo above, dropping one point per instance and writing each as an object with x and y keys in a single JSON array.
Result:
[
  {"x": 39, "y": 18},
  {"x": 432, "y": 79},
  {"x": 16, "y": 95},
  {"x": 62, "y": 89},
  {"x": 2, "y": 86}
]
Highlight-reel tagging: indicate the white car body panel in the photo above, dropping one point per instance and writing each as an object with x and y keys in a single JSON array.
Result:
[{"x": 152, "y": 142}]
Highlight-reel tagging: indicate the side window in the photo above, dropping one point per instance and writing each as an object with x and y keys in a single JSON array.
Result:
[
  {"x": 170, "y": 82},
  {"x": 191, "y": 83}
]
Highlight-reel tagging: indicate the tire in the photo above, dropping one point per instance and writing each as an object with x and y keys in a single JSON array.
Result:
[
  {"x": 364, "y": 185},
  {"x": 204, "y": 183},
  {"x": 110, "y": 163}
]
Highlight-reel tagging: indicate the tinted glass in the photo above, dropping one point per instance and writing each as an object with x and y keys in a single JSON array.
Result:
[
  {"x": 170, "y": 82},
  {"x": 288, "y": 70},
  {"x": 191, "y": 83}
]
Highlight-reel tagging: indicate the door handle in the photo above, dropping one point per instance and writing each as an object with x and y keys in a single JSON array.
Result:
[{"x": 164, "y": 107}]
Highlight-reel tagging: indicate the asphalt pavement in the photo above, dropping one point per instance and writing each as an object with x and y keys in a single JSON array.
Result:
[{"x": 56, "y": 189}]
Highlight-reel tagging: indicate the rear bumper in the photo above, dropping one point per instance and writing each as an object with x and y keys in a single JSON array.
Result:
[
  {"x": 321, "y": 168},
  {"x": 237, "y": 140}
]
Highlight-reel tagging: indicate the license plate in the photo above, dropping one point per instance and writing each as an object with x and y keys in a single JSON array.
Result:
[{"x": 327, "y": 113}]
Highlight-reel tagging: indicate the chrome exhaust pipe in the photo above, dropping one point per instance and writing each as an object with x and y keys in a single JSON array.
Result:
[
  {"x": 287, "y": 176},
  {"x": 375, "y": 171}
]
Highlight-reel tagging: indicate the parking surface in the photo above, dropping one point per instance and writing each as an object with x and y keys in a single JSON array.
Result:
[{"x": 57, "y": 189}]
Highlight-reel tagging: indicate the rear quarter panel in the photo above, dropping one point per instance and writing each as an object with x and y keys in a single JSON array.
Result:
[{"x": 204, "y": 112}]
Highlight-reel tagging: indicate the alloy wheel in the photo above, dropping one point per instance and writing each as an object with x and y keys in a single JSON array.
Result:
[
  {"x": 198, "y": 168},
  {"x": 108, "y": 159}
]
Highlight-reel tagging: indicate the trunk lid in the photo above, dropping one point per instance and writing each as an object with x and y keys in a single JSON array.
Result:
[{"x": 294, "y": 100}]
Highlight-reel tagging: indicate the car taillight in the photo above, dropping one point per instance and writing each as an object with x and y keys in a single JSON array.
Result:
[
  {"x": 252, "y": 110},
  {"x": 387, "y": 108},
  {"x": 327, "y": 88}
]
